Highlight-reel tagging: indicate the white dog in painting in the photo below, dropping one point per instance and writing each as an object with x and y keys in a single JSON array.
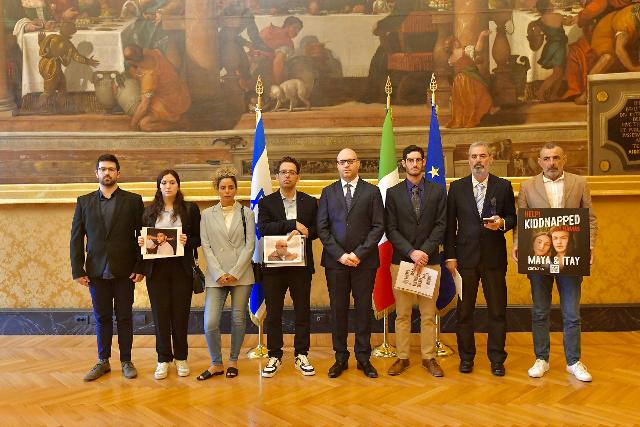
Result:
[{"x": 290, "y": 90}]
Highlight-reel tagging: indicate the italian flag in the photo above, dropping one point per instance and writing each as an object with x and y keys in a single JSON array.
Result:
[{"x": 387, "y": 178}]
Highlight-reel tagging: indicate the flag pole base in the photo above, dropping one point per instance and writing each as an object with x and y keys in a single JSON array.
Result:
[
  {"x": 259, "y": 352},
  {"x": 384, "y": 350},
  {"x": 443, "y": 350}
]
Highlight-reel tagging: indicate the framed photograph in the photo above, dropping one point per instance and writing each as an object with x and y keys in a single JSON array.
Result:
[
  {"x": 161, "y": 242},
  {"x": 280, "y": 251}
]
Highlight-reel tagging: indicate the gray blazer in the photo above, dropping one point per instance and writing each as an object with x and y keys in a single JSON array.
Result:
[{"x": 226, "y": 251}]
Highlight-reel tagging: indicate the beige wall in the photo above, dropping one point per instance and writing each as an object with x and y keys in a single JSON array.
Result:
[{"x": 36, "y": 219}]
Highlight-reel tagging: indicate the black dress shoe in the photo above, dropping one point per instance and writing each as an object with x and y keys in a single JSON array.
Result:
[
  {"x": 466, "y": 366},
  {"x": 497, "y": 369},
  {"x": 368, "y": 369},
  {"x": 336, "y": 369}
]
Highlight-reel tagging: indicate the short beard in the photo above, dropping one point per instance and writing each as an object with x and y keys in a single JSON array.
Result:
[{"x": 111, "y": 184}]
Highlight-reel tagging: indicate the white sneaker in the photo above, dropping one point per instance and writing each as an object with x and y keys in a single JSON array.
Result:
[
  {"x": 182, "y": 367},
  {"x": 162, "y": 370},
  {"x": 303, "y": 365},
  {"x": 579, "y": 371},
  {"x": 272, "y": 367},
  {"x": 538, "y": 369}
]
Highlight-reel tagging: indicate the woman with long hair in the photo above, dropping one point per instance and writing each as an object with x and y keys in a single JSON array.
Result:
[
  {"x": 169, "y": 280},
  {"x": 228, "y": 238}
]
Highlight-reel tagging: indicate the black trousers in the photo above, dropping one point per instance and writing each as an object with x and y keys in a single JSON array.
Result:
[
  {"x": 170, "y": 291},
  {"x": 107, "y": 295},
  {"x": 276, "y": 281},
  {"x": 359, "y": 283},
  {"x": 494, "y": 286}
]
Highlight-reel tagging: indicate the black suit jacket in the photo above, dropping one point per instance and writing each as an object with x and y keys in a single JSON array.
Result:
[
  {"x": 272, "y": 219},
  {"x": 190, "y": 227},
  {"x": 407, "y": 232},
  {"x": 117, "y": 246},
  {"x": 467, "y": 240},
  {"x": 357, "y": 231}
]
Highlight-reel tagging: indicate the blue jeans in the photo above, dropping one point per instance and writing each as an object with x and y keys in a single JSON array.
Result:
[
  {"x": 213, "y": 306},
  {"x": 569, "y": 288}
]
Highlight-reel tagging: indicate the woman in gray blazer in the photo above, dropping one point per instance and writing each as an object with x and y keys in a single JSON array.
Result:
[{"x": 227, "y": 231}]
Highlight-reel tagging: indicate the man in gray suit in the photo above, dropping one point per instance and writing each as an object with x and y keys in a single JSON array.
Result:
[{"x": 554, "y": 188}]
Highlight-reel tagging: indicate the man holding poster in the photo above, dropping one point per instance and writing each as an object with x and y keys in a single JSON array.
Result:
[
  {"x": 554, "y": 188},
  {"x": 415, "y": 220}
]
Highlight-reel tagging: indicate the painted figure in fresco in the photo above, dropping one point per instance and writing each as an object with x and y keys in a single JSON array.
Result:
[
  {"x": 470, "y": 97},
  {"x": 554, "y": 53},
  {"x": 26, "y": 16},
  {"x": 280, "y": 39},
  {"x": 236, "y": 18},
  {"x": 612, "y": 38},
  {"x": 164, "y": 95},
  {"x": 57, "y": 50}
]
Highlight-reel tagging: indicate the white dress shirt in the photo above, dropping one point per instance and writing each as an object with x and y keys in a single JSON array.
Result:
[
  {"x": 555, "y": 191},
  {"x": 353, "y": 183},
  {"x": 290, "y": 208}
]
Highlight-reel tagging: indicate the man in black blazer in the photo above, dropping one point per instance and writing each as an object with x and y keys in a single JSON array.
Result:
[
  {"x": 480, "y": 210},
  {"x": 350, "y": 225},
  {"x": 288, "y": 212},
  {"x": 415, "y": 218},
  {"x": 109, "y": 218}
]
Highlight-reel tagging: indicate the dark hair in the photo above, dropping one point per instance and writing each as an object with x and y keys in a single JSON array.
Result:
[
  {"x": 108, "y": 158},
  {"x": 292, "y": 20},
  {"x": 225, "y": 172},
  {"x": 136, "y": 52},
  {"x": 289, "y": 159},
  {"x": 179, "y": 205},
  {"x": 411, "y": 149},
  {"x": 543, "y": 6},
  {"x": 570, "y": 242}
]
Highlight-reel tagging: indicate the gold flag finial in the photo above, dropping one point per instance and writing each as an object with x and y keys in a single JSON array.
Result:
[
  {"x": 259, "y": 91},
  {"x": 388, "y": 89},
  {"x": 433, "y": 86}
]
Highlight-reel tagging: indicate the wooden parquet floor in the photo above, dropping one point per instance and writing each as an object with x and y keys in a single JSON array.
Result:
[{"x": 41, "y": 385}]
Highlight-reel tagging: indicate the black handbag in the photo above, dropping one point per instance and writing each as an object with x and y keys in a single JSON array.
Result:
[
  {"x": 198, "y": 281},
  {"x": 257, "y": 267}
]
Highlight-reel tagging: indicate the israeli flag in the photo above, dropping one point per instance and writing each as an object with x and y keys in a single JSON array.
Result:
[{"x": 260, "y": 187}]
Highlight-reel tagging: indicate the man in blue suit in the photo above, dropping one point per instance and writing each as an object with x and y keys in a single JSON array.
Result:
[{"x": 350, "y": 225}]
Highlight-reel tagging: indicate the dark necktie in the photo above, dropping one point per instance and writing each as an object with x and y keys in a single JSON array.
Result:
[
  {"x": 348, "y": 197},
  {"x": 415, "y": 199}
]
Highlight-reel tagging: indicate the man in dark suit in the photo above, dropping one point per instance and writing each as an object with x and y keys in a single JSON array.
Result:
[
  {"x": 109, "y": 219},
  {"x": 480, "y": 210},
  {"x": 415, "y": 218},
  {"x": 350, "y": 225},
  {"x": 291, "y": 212}
]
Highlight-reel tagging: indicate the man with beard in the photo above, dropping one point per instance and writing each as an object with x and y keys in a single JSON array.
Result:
[
  {"x": 554, "y": 188},
  {"x": 109, "y": 218},
  {"x": 415, "y": 217},
  {"x": 480, "y": 210}
]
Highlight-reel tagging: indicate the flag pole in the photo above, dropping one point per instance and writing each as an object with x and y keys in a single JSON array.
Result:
[
  {"x": 259, "y": 351},
  {"x": 442, "y": 350},
  {"x": 385, "y": 349}
]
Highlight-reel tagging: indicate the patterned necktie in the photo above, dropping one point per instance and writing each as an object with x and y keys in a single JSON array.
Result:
[
  {"x": 480, "y": 197},
  {"x": 348, "y": 197},
  {"x": 415, "y": 199}
]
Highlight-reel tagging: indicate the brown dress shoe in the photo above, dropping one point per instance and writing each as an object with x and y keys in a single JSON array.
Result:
[
  {"x": 399, "y": 366},
  {"x": 432, "y": 366}
]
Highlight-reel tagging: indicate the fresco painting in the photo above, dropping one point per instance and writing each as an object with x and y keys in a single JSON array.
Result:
[{"x": 159, "y": 65}]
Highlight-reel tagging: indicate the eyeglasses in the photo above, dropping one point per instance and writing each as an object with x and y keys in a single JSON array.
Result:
[
  {"x": 412, "y": 161},
  {"x": 288, "y": 173},
  {"x": 347, "y": 162},
  {"x": 103, "y": 170}
]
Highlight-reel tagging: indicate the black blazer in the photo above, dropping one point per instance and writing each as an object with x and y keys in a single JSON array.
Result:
[
  {"x": 272, "y": 220},
  {"x": 407, "y": 232},
  {"x": 357, "y": 231},
  {"x": 467, "y": 240},
  {"x": 190, "y": 227},
  {"x": 117, "y": 246}
]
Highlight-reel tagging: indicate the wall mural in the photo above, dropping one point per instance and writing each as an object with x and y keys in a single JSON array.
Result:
[{"x": 161, "y": 65}]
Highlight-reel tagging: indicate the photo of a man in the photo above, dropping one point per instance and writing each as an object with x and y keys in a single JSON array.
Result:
[
  {"x": 161, "y": 242},
  {"x": 281, "y": 253}
]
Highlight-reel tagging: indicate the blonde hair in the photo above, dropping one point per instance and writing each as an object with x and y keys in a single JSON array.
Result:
[{"x": 223, "y": 173}]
